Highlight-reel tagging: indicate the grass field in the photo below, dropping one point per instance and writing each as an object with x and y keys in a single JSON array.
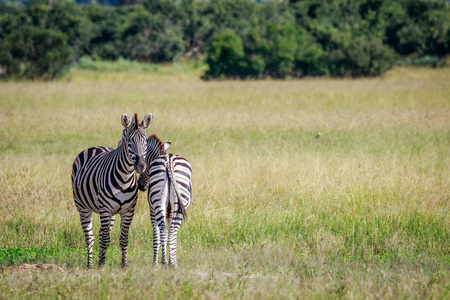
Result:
[{"x": 361, "y": 212}]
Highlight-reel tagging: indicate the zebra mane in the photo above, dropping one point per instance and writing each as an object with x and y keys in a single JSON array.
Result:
[
  {"x": 136, "y": 121},
  {"x": 156, "y": 140}
]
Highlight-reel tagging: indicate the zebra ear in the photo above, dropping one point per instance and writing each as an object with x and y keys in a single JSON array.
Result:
[
  {"x": 166, "y": 146},
  {"x": 126, "y": 121},
  {"x": 147, "y": 121}
]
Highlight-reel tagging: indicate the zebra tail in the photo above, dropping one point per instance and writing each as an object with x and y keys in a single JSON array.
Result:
[{"x": 177, "y": 191}]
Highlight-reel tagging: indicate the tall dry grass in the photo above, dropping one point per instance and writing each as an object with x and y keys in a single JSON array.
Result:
[{"x": 361, "y": 212}]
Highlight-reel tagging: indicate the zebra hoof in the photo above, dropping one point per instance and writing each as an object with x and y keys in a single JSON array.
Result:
[{"x": 124, "y": 265}]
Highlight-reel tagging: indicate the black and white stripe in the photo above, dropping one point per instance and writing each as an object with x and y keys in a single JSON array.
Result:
[
  {"x": 169, "y": 196},
  {"x": 104, "y": 182},
  {"x": 155, "y": 148}
]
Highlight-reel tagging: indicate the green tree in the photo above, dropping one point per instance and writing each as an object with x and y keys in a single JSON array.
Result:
[
  {"x": 197, "y": 29},
  {"x": 69, "y": 18},
  {"x": 225, "y": 56},
  {"x": 108, "y": 26},
  {"x": 358, "y": 56},
  {"x": 308, "y": 57},
  {"x": 151, "y": 37},
  {"x": 281, "y": 49},
  {"x": 236, "y": 15}
]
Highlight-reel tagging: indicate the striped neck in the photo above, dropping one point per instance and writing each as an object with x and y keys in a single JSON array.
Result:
[
  {"x": 123, "y": 160},
  {"x": 155, "y": 148}
]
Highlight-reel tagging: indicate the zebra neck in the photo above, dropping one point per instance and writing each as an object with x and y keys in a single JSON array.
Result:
[{"x": 123, "y": 161}]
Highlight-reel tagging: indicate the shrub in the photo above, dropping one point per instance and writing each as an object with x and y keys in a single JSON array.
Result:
[
  {"x": 349, "y": 55},
  {"x": 281, "y": 49},
  {"x": 225, "y": 56},
  {"x": 278, "y": 50},
  {"x": 253, "y": 66},
  {"x": 363, "y": 57},
  {"x": 33, "y": 52}
]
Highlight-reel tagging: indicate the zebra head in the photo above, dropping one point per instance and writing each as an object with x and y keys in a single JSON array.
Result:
[
  {"x": 155, "y": 148},
  {"x": 135, "y": 138}
]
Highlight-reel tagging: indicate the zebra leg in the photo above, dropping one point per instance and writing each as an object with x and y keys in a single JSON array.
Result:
[
  {"x": 163, "y": 237},
  {"x": 156, "y": 238},
  {"x": 125, "y": 222},
  {"x": 86, "y": 224},
  {"x": 105, "y": 223},
  {"x": 160, "y": 222},
  {"x": 172, "y": 240},
  {"x": 111, "y": 224}
]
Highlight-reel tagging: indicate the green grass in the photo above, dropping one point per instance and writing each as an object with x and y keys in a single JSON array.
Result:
[
  {"x": 361, "y": 212},
  {"x": 87, "y": 63}
]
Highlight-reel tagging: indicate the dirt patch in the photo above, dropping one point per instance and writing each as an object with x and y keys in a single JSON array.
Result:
[{"x": 34, "y": 267}]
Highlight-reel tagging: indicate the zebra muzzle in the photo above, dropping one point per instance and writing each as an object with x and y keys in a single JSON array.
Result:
[{"x": 140, "y": 165}]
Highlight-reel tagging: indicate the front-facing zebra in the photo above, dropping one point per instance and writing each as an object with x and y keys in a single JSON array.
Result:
[
  {"x": 169, "y": 195},
  {"x": 104, "y": 182}
]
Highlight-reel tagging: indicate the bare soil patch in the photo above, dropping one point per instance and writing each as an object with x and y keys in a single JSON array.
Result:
[{"x": 33, "y": 267}]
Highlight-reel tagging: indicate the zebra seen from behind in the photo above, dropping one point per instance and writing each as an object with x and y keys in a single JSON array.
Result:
[
  {"x": 104, "y": 182},
  {"x": 168, "y": 180}
]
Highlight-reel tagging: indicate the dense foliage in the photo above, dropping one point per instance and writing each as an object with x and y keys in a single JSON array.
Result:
[{"x": 240, "y": 38}]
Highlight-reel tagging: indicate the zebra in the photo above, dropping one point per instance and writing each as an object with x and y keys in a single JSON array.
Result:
[
  {"x": 155, "y": 147},
  {"x": 169, "y": 195},
  {"x": 104, "y": 182}
]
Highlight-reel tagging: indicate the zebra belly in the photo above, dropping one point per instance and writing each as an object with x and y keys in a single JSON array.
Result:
[
  {"x": 116, "y": 203},
  {"x": 86, "y": 193},
  {"x": 122, "y": 202}
]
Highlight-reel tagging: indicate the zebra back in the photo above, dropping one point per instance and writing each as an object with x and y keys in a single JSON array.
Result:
[{"x": 178, "y": 171}]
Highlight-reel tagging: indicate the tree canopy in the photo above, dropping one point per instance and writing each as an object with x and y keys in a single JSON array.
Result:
[{"x": 237, "y": 38}]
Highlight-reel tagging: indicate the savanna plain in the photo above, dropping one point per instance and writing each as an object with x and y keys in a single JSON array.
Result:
[{"x": 360, "y": 212}]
